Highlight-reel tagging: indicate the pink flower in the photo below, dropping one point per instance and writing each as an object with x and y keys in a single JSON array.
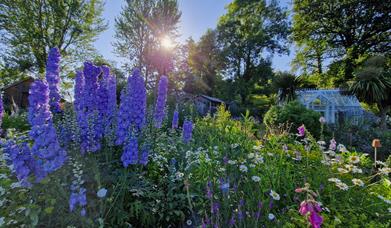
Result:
[
  {"x": 315, "y": 219},
  {"x": 311, "y": 208},
  {"x": 298, "y": 190},
  {"x": 301, "y": 130}
]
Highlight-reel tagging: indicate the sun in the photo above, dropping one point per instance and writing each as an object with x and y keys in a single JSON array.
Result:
[{"x": 167, "y": 42}]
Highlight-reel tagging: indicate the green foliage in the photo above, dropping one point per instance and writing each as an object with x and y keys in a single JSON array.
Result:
[
  {"x": 373, "y": 83},
  {"x": 346, "y": 29},
  {"x": 29, "y": 30},
  {"x": 139, "y": 30},
  {"x": 247, "y": 30},
  {"x": 293, "y": 113},
  {"x": 286, "y": 84},
  {"x": 17, "y": 122}
]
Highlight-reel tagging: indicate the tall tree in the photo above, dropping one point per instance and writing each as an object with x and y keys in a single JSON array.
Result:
[
  {"x": 350, "y": 28},
  {"x": 140, "y": 29},
  {"x": 29, "y": 28},
  {"x": 205, "y": 61},
  {"x": 246, "y": 31}
]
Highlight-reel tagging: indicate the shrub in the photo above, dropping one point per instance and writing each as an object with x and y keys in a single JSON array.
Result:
[
  {"x": 293, "y": 113},
  {"x": 18, "y": 122}
]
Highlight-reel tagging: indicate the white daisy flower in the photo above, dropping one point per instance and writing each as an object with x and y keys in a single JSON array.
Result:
[
  {"x": 243, "y": 168},
  {"x": 354, "y": 159},
  {"x": 342, "y": 186},
  {"x": 356, "y": 170},
  {"x": 101, "y": 193},
  {"x": 271, "y": 216},
  {"x": 342, "y": 170},
  {"x": 385, "y": 170},
  {"x": 231, "y": 162},
  {"x": 255, "y": 178},
  {"x": 274, "y": 195},
  {"x": 251, "y": 155},
  {"x": 335, "y": 180},
  {"x": 358, "y": 182}
]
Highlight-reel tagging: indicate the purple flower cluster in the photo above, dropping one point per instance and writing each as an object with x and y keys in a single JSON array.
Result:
[
  {"x": 95, "y": 104},
  {"x": 144, "y": 156},
  {"x": 1, "y": 110},
  {"x": 22, "y": 160},
  {"x": 46, "y": 147},
  {"x": 161, "y": 101},
  {"x": 131, "y": 115},
  {"x": 130, "y": 154},
  {"x": 53, "y": 79},
  {"x": 175, "y": 120},
  {"x": 78, "y": 198},
  {"x": 187, "y": 131}
]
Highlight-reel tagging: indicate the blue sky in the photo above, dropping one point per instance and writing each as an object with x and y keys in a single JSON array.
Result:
[{"x": 197, "y": 17}]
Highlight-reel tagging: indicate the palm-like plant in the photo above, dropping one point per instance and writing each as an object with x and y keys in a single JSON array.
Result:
[
  {"x": 286, "y": 84},
  {"x": 372, "y": 85}
]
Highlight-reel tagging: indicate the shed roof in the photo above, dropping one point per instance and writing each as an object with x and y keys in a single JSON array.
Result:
[{"x": 214, "y": 99}]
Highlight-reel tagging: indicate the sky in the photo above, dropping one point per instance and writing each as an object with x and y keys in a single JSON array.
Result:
[{"x": 197, "y": 17}]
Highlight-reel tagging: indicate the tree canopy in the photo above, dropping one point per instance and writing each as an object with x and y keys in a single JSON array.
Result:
[{"x": 29, "y": 28}]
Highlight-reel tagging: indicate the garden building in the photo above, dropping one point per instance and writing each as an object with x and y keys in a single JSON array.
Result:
[
  {"x": 15, "y": 96},
  {"x": 335, "y": 106}
]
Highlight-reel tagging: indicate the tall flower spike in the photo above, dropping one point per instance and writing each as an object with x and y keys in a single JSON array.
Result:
[
  {"x": 175, "y": 120},
  {"x": 22, "y": 160},
  {"x": 137, "y": 100},
  {"x": 1, "y": 110},
  {"x": 131, "y": 116},
  {"x": 53, "y": 79},
  {"x": 90, "y": 132},
  {"x": 130, "y": 154},
  {"x": 161, "y": 101},
  {"x": 187, "y": 131},
  {"x": 46, "y": 147}
]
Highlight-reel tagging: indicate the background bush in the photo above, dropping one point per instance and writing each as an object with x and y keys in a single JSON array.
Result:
[{"x": 293, "y": 113}]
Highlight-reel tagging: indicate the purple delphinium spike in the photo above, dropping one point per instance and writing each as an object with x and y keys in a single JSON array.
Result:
[
  {"x": 144, "y": 155},
  {"x": 130, "y": 154},
  {"x": 46, "y": 147},
  {"x": 175, "y": 120},
  {"x": 133, "y": 105},
  {"x": 209, "y": 190},
  {"x": 137, "y": 100},
  {"x": 53, "y": 79},
  {"x": 215, "y": 208},
  {"x": 161, "y": 101},
  {"x": 187, "y": 131},
  {"x": 23, "y": 162},
  {"x": 1, "y": 110},
  {"x": 90, "y": 132},
  {"x": 78, "y": 198}
]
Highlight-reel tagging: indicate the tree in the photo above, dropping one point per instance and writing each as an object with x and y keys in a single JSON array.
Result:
[
  {"x": 286, "y": 84},
  {"x": 248, "y": 29},
  {"x": 30, "y": 28},
  {"x": 350, "y": 28},
  {"x": 373, "y": 85},
  {"x": 205, "y": 62},
  {"x": 139, "y": 30}
]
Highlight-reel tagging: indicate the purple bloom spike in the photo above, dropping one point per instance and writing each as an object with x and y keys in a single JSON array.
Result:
[
  {"x": 130, "y": 154},
  {"x": 1, "y": 111},
  {"x": 46, "y": 147},
  {"x": 22, "y": 160},
  {"x": 144, "y": 156},
  {"x": 131, "y": 116},
  {"x": 161, "y": 101},
  {"x": 187, "y": 131},
  {"x": 89, "y": 122},
  {"x": 175, "y": 120},
  {"x": 53, "y": 78}
]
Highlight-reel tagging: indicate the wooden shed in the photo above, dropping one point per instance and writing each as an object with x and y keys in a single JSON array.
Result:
[{"x": 17, "y": 94}]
